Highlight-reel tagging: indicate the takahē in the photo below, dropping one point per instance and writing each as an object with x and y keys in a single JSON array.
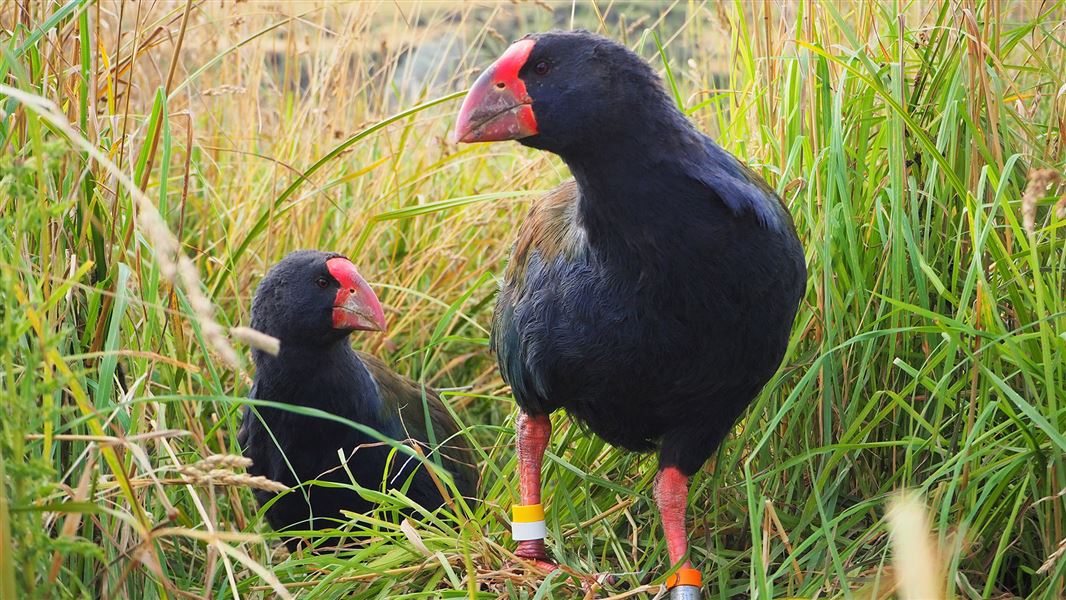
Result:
[
  {"x": 311, "y": 301},
  {"x": 652, "y": 296}
]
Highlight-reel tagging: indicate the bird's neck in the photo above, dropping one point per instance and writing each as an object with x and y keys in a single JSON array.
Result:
[
  {"x": 634, "y": 191},
  {"x": 298, "y": 356},
  {"x": 329, "y": 377}
]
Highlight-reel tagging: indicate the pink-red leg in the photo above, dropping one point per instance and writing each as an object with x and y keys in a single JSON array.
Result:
[
  {"x": 532, "y": 435},
  {"x": 671, "y": 497}
]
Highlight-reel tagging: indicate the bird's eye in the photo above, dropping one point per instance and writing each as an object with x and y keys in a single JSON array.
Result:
[
  {"x": 542, "y": 67},
  {"x": 322, "y": 282}
]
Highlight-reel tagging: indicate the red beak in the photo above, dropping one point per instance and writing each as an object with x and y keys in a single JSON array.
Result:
[
  {"x": 497, "y": 107},
  {"x": 356, "y": 305}
]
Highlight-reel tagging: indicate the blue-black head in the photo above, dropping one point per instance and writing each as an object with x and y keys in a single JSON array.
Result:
[
  {"x": 314, "y": 298},
  {"x": 567, "y": 92}
]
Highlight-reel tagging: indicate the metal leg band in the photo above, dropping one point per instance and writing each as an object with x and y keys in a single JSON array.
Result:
[{"x": 685, "y": 592}]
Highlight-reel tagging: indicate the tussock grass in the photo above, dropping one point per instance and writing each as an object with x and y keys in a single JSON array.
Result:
[{"x": 928, "y": 354}]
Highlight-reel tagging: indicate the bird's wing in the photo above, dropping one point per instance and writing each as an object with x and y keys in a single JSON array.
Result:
[
  {"x": 550, "y": 230},
  {"x": 403, "y": 398},
  {"x": 545, "y": 255}
]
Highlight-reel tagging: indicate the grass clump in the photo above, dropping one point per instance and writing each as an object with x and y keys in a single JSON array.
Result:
[{"x": 156, "y": 159}]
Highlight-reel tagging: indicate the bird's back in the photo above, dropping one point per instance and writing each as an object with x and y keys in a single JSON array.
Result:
[{"x": 439, "y": 437}]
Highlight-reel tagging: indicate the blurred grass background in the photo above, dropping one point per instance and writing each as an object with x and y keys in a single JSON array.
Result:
[{"x": 930, "y": 352}]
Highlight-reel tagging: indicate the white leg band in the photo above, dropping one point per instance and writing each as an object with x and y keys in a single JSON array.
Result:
[{"x": 535, "y": 530}]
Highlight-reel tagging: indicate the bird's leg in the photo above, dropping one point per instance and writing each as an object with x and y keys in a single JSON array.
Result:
[
  {"x": 527, "y": 527},
  {"x": 532, "y": 435},
  {"x": 671, "y": 497}
]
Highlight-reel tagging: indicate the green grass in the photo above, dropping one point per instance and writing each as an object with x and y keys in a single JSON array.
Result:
[{"x": 929, "y": 353}]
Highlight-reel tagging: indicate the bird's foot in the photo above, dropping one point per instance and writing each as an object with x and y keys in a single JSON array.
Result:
[
  {"x": 590, "y": 582},
  {"x": 533, "y": 553}
]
